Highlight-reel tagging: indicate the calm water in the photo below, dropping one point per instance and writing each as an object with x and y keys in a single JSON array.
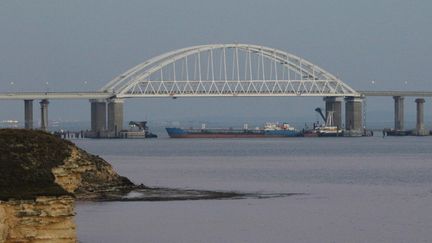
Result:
[{"x": 357, "y": 190}]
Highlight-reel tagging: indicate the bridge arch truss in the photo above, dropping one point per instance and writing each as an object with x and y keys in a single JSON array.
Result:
[{"x": 227, "y": 70}]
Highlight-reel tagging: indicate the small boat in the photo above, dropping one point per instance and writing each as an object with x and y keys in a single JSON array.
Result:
[{"x": 392, "y": 132}]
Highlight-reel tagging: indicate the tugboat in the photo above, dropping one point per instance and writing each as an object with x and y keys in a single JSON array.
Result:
[{"x": 137, "y": 130}]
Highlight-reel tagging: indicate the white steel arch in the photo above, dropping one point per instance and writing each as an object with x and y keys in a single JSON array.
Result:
[{"x": 227, "y": 70}]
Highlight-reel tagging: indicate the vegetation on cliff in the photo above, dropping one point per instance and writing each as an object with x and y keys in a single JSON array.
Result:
[{"x": 26, "y": 160}]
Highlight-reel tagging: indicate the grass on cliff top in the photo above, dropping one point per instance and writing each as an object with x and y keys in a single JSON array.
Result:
[{"x": 26, "y": 160}]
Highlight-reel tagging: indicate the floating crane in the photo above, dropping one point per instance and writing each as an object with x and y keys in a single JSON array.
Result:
[{"x": 321, "y": 113}]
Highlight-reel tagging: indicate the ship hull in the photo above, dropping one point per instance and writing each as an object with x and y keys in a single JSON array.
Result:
[{"x": 221, "y": 133}]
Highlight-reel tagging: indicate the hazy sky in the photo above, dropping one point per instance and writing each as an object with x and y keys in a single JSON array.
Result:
[{"x": 81, "y": 45}]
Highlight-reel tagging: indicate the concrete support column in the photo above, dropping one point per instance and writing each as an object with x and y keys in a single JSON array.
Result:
[
  {"x": 420, "y": 130},
  {"x": 98, "y": 115},
  {"x": 354, "y": 114},
  {"x": 398, "y": 113},
  {"x": 334, "y": 104},
  {"x": 44, "y": 114},
  {"x": 115, "y": 116},
  {"x": 28, "y": 114}
]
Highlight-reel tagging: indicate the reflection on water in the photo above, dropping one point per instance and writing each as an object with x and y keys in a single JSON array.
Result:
[{"x": 46, "y": 219}]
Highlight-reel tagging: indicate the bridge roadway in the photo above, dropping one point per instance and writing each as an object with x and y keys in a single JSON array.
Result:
[
  {"x": 54, "y": 95},
  {"x": 396, "y": 93},
  {"x": 107, "y": 95}
]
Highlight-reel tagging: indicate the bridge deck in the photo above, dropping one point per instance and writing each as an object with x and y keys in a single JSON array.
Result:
[
  {"x": 397, "y": 93},
  {"x": 54, "y": 95},
  {"x": 105, "y": 95}
]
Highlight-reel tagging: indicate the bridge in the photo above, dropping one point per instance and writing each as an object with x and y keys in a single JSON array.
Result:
[
  {"x": 221, "y": 70},
  {"x": 55, "y": 95}
]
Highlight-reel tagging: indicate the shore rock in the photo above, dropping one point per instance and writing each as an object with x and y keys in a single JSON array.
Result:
[
  {"x": 41, "y": 176},
  {"x": 35, "y": 163},
  {"x": 45, "y": 219}
]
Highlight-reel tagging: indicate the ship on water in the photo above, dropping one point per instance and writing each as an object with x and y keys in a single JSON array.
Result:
[
  {"x": 323, "y": 130},
  {"x": 268, "y": 130}
]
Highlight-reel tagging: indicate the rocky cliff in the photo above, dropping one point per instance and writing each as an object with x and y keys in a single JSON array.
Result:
[
  {"x": 35, "y": 163},
  {"x": 44, "y": 219},
  {"x": 40, "y": 177}
]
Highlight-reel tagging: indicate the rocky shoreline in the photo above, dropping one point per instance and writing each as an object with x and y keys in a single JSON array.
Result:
[{"x": 43, "y": 219}]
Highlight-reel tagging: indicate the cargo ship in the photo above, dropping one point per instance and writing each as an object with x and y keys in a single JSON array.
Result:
[{"x": 269, "y": 130}]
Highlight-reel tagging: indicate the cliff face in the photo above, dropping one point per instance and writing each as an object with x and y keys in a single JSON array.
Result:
[
  {"x": 35, "y": 163},
  {"x": 88, "y": 176},
  {"x": 45, "y": 219},
  {"x": 40, "y": 177}
]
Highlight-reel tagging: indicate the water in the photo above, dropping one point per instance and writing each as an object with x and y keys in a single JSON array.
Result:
[{"x": 356, "y": 190}]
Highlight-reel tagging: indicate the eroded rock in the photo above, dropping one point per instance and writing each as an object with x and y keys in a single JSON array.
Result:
[
  {"x": 41, "y": 175},
  {"x": 36, "y": 163},
  {"x": 45, "y": 219}
]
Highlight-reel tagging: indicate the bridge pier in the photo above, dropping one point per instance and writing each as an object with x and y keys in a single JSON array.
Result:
[
  {"x": 115, "y": 116},
  {"x": 98, "y": 115},
  {"x": 334, "y": 104},
  {"x": 28, "y": 114},
  {"x": 354, "y": 115},
  {"x": 44, "y": 114},
  {"x": 398, "y": 113},
  {"x": 420, "y": 130}
]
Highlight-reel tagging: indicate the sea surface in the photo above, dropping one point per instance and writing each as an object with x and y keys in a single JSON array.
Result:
[{"x": 369, "y": 189}]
